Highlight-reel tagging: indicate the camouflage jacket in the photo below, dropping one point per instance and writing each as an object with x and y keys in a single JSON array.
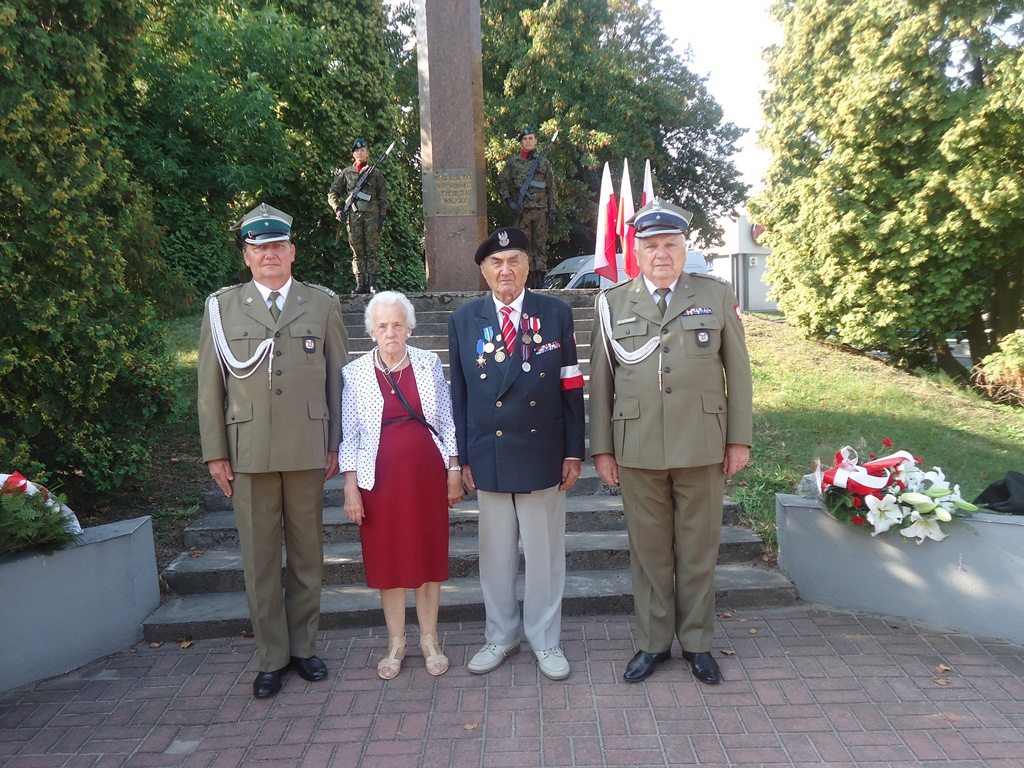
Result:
[
  {"x": 372, "y": 198},
  {"x": 542, "y": 193}
]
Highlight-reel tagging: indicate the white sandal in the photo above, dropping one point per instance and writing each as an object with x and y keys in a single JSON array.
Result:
[
  {"x": 437, "y": 662},
  {"x": 391, "y": 665}
]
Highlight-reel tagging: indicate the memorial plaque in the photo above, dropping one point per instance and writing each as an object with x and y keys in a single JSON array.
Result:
[{"x": 450, "y": 192}]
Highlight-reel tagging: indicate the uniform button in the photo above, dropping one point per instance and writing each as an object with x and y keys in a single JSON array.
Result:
[
  {"x": 498, "y": 433},
  {"x": 498, "y": 404},
  {"x": 277, "y": 372},
  {"x": 277, "y": 335},
  {"x": 664, "y": 330},
  {"x": 666, "y": 350},
  {"x": 277, "y": 392},
  {"x": 533, "y": 403},
  {"x": 533, "y": 431},
  {"x": 668, "y": 369},
  {"x": 245, "y": 333},
  {"x": 542, "y": 374},
  {"x": 278, "y": 353},
  {"x": 721, "y": 408},
  {"x": 668, "y": 390},
  {"x": 627, "y": 333}
]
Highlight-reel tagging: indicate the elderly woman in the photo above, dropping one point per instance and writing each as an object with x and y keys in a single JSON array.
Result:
[{"x": 401, "y": 467}]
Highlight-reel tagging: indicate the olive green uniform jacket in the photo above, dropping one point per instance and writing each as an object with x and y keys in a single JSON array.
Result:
[
  {"x": 705, "y": 398},
  {"x": 299, "y": 401}
]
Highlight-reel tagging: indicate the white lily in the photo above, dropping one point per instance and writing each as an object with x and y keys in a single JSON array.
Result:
[
  {"x": 921, "y": 502},
  {"x": 883, "y": 513},
  {"x": 937, "y": 478},
  {"x": 911, "y": 475},
  {"x": 923, "y": 528}
]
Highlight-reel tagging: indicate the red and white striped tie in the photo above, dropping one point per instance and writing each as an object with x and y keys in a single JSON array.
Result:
[{"x": 508, "y": 332}]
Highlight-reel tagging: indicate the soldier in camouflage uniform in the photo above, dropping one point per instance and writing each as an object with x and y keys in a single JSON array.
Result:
[
  {"x": 365, "y": 218},
  {"x": 536, "y": 212}
]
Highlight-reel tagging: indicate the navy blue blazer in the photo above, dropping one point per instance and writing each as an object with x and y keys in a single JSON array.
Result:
[{"x": 515, "y": 427}]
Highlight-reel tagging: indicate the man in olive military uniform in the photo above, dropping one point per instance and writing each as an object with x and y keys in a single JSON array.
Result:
[
  {"x": 270, "y": 358},
  {"x": 670, "y": 419},
  {"x": 535, "y": 211},
  {"x": 365, "y": 217}
]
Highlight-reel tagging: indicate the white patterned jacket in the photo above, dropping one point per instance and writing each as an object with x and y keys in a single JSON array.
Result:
[{"x": 362, "y": 409}]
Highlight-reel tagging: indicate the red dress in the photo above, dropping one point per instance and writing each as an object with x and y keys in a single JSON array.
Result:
[{"x": 405, "y": 525}]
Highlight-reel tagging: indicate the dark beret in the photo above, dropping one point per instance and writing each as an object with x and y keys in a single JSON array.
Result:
[{"x": 500, "y": 240}]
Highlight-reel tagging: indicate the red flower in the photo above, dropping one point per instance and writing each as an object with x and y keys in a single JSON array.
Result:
[
  {"x": 887, "y": 442},
  {"x": 858, "y": 520},
  {"x": 872, "y": 456},
  {"x": 857, "y": 503}
]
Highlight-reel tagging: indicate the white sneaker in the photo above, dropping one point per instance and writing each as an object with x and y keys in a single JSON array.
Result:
[
  {"x": 490, "y": 657},
  {"x": 553, "y": 663}
]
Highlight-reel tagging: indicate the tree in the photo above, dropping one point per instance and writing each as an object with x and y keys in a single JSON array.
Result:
[
  {"x": 242, "y": 102},
  {"x": 868, "y": 204},
  {"x": 602, "y": 72},
  {"x": 84, "y": 372}
]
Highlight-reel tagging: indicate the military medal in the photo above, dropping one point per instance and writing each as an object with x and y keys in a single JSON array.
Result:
[
  {"x": 481, "y": 361},
  {"x": 535, "y": 327},
  {"x": 488, "y": 346},
  {"x": 499, "y": 356},
  {"x": 526, "y": 358}
]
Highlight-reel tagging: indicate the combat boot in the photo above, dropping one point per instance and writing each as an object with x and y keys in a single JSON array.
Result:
[
  {"x": 361, "y": 284},
  {"x": 372, "y": 285}
]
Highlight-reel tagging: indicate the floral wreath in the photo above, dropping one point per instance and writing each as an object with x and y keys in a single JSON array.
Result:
[{"x": 889, "y": 492}]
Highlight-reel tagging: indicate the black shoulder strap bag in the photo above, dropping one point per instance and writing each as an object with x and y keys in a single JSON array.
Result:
[{"x": 413, "y": 416}]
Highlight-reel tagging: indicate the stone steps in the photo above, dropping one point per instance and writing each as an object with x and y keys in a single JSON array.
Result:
[
  {"x": 222, "y": 614},
  {"x": 206, "y": 580}
]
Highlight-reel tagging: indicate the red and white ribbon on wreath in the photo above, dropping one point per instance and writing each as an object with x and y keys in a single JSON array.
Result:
[{"x": 863, "y": 478}]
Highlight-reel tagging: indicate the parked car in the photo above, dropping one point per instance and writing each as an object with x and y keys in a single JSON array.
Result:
[{"x": 578, "y": 272}]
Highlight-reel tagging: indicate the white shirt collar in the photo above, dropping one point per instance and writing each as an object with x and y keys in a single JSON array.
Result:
[
  {"x": 265, "y": 292},
  {"x": 653, "y": 289},
  {"x": 517, "y": 307}
]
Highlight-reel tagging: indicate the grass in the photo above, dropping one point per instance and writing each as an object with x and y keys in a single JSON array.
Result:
[{"x": 810, "y": 399}]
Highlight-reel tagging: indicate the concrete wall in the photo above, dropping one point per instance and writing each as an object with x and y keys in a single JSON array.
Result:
[
  {"x": 971, "y": 581},
  {"x": 742, "y": 262},
  {"x": 60, "y": 611}
]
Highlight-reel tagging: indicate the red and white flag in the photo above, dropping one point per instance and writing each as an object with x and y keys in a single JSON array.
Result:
[
  {"x": 624, "y": 229},
  {"x": 648, "y": 185},
  {"x": 605, "y": 263}
]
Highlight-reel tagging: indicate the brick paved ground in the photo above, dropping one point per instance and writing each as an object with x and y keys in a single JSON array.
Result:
[{"x": 805, "y": 686}]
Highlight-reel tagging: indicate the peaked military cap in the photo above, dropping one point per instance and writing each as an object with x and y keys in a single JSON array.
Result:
[
  {"x": 263, "y": 224},
  {"x": 527, "y": 130},
  {"x": 500, "y": 240},
  {"x": 358, "y": 144},
  {"x": 660, "y": 218}
]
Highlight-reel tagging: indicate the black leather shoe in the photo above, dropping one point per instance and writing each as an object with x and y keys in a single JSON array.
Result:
[
  {"x": 311, "y": 669},
  {"x": 642, "y": 665},
  {"x": 704, "y": 667},
  {"x": 267, "y": 684}
]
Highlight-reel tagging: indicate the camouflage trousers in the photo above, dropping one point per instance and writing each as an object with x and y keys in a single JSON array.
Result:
[
  {"x": 534, "y": 222},
  {"x": 364, "y": 238}
]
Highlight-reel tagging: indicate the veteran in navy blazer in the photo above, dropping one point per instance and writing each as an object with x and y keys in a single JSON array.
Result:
[{"x": 517, "y": 399}]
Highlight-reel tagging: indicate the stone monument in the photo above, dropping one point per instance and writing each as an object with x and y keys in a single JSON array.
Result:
[{"x": 452, "y": 140}]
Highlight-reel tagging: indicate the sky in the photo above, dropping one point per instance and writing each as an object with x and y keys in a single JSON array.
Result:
[{"x": 726, "y": 39}]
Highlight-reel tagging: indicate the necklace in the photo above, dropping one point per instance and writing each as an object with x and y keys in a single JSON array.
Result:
[{"x": 378, "y": 363}]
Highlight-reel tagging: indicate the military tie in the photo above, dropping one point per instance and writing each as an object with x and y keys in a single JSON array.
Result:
[
  {"x": 275, "y": 311},
  {"x": 662, "y": 300}
]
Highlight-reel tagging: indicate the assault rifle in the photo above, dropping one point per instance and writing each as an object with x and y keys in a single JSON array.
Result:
[
  {"x": 524, "y": 190},
  {"x": 363, "y": 177}
]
